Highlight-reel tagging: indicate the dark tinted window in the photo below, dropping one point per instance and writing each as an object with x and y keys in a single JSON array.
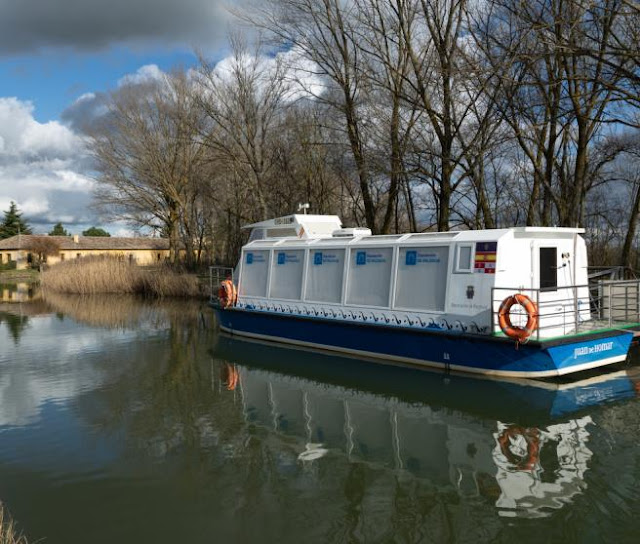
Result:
[{"x": 548, "y": 268}]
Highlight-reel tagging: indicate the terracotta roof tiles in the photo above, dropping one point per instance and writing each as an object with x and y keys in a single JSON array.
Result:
[{"x": 67, "y": 243}]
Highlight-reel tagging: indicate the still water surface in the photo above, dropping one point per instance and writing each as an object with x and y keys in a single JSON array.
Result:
[{"x": 125, "y": 421}]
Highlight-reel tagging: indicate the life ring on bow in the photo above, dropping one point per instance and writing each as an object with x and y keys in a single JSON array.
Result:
[
  {"x": 504, "y": 317},
  {"x": 531, "y": 436},
  {"x": 227, "y": 294}
]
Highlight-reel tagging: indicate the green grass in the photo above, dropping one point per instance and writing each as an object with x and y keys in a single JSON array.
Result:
[{"x": 16, "y": 276}]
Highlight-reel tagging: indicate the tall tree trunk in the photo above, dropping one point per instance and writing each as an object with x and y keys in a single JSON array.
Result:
[
  {"x": 631, "y": 230},
  {"x": 396, "y": 168}
]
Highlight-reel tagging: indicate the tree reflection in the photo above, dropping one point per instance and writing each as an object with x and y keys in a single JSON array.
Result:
[
  {"x": 279, "y": 437},
  {"x": 16, "y": 324}
]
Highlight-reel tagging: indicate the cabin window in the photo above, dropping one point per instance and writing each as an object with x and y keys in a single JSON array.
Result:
[
  {"x": 255, "y": 267},
  {"x": 369, "y": 276},
  {"x": 422, "y": 278},
  {"x": 281, "y": 232},
  {"x": 548, "y": 268},
  {"x": 257, "y": 234},
  {"x": 324, "y": 275},
  {"x": 286, "y": 274},
  {"x": 464, "y": 258}
]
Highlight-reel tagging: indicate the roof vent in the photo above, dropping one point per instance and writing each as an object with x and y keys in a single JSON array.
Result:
[{"x": 349, "y": 233}]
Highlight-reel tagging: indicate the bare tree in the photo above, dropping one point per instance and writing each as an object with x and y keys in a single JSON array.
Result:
[
  {"x": 324, "y": 31},
  {"x": 243, "y": 101},
  {"x": 556, "y": 96},
  {"x": 42, "y": 247},
  {"x": 387, "y": 67},
  {"x": 147, "y": 155}
]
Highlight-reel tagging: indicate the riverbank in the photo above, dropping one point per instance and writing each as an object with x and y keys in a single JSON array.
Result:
[
  {"x": 19, "y": 276},
  {"x": 108, "y": 275}
]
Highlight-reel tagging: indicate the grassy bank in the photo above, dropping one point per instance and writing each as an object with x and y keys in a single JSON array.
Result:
[
  {"x": 8, "y": 532},
  {"x": 94, "y": 275},
  {"x": 19, "y": 276}
]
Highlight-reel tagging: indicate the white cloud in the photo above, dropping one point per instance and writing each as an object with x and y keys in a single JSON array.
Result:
[
  {"x": 41, "y": 166},
  {"x": 300, "y": 73},
  {"x": 22, "y": 136},
  {"x": 145, "y": 74},
  {"x": 44, "y": 167}
]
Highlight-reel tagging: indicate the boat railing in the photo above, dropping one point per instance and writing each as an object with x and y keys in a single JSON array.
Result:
[
  {"x": 573, "y": 309},
  {"x": 217, "y": 274}
]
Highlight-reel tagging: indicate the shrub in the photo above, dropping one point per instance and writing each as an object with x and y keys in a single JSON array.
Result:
[{"x": 102, "y": 274}]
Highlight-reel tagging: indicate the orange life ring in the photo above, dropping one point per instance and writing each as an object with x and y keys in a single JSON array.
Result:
[
  {"x": 504, "y": 317},
  {"x": 531, "y": 437},
  {"x": 227, "y": 294}
]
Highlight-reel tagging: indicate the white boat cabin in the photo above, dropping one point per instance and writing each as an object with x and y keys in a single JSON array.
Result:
[{"x": 309, "y": 265}]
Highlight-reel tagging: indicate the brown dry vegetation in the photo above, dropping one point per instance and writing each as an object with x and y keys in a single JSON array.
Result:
[
  {"x": 115, "y": 311},
  {"x": 93, "y": 275},
  {"x": 8, "y": 532}
]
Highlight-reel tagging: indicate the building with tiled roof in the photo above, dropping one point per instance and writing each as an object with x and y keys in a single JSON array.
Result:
[{"x": 22, "y": 248}]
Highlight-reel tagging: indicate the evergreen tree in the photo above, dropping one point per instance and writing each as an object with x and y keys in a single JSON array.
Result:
[
  {"x": 58, "y": 230},
  {"x": 13, "y": 223},
  {"x": 95, "y": 231}
]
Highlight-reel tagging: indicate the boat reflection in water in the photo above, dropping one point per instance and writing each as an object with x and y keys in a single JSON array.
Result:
[{"x": 522, "y": 444}]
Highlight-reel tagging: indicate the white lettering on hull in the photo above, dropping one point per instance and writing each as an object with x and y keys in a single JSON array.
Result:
[{"x": 589, "y": 350}]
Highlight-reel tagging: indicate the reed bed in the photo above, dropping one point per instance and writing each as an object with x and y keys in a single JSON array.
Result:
[
  {"x": 101, "y": 274},
  {"x": 8, "y": 531}
]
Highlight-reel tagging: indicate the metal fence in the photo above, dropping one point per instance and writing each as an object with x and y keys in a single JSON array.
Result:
[{"x": 574, "y": 309}]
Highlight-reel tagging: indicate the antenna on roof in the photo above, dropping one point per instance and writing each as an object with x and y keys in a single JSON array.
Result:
[{"x": 304, "y": 207}]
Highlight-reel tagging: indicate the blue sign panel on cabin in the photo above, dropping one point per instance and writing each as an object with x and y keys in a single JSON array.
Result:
[
  {"x": 281, "y": 258},
  {"x": 249, "y": 258},
  {"x": 361, "y": 257},
  {"x": 411, "y": 258},
  {"x": 317, "y": 257}
]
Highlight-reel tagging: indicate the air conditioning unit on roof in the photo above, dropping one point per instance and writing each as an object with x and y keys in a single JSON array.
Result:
[{"x": 351, "y": 232}]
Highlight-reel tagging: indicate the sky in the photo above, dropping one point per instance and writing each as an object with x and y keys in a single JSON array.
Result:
[{"x": 55, "y": 57}]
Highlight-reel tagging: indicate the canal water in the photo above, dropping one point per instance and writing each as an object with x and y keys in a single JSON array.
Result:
[{"x": 130, "y": 421}]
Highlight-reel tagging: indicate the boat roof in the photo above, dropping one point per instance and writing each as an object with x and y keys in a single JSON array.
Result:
[
  {"x": 355, "y": 237},
  {"x": 295, "y": 219}
]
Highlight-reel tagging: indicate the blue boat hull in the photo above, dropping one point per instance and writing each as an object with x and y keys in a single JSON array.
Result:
[{"x": 449, "y": 351}]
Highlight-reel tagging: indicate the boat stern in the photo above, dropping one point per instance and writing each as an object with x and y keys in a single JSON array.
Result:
[{"x": 588, "y": 353}]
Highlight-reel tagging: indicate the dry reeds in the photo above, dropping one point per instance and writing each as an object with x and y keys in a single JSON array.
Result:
[
  {"x": 8, "y": 532},
  {"x": 102, "y": 274}
]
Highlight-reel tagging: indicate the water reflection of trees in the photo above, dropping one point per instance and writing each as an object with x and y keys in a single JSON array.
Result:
[
  {"x": 16, "y": 324},
  {"x": 443, "y": 476},
  {"x": 177, "y": 408},
  {"x": 165, "y": 399}
]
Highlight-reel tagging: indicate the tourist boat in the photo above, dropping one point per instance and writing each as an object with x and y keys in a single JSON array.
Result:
[{"x": 511, "y": 302}]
